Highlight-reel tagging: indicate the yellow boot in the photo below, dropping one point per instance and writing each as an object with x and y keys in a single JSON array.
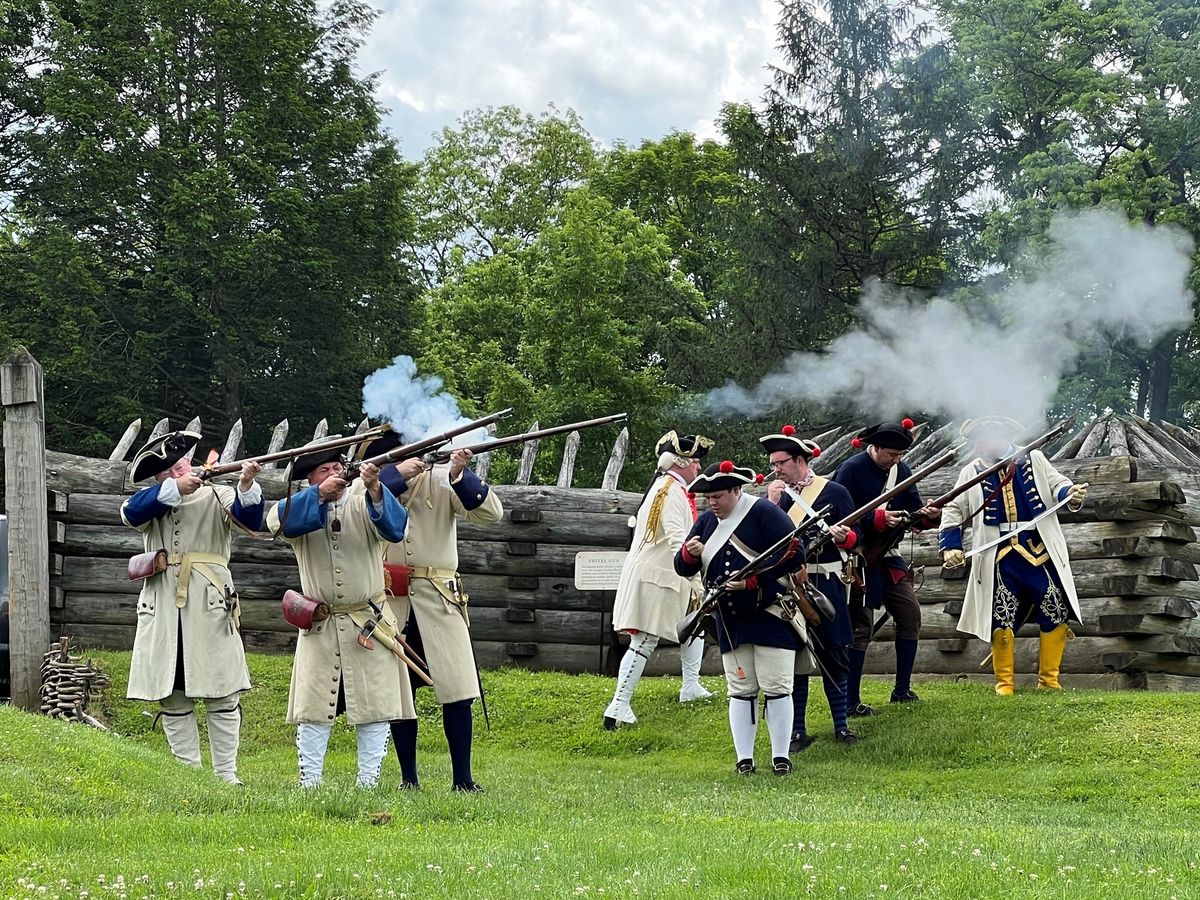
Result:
[
  {"x": 1003, "y": 660},
  {"x": 1050, "y": 653}
]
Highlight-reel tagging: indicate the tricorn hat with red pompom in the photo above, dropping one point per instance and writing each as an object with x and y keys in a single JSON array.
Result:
[
  {"x": 721, "y": 477},
  {"x": 789, "y": 443},
  {"x": 888, "y": 435}
]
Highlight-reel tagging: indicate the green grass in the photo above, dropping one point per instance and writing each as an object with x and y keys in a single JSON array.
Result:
[{"x": 1079, "y": 794}]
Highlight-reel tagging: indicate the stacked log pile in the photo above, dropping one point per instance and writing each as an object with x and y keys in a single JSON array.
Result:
[{"x": 69, "y": 684}]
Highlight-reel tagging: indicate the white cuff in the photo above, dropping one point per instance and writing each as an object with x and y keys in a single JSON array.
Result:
[
  {"x": 168, "y": 492},
  {"x": 251, "y": 497}
]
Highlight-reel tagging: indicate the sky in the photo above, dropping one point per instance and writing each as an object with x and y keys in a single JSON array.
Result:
[{"x": 632, "y": 69}]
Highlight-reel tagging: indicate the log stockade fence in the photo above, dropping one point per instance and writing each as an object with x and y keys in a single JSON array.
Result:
[{"x": 1133, "y": 547}]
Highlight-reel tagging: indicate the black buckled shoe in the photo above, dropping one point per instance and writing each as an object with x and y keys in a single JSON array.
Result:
[
  {"x": 410, "y": 786},
  {"x": 908, "y": 696},
  {"x": 781, "y": 765},
  {"x": 847, "y": 737},
  {"x": 610, "y": 724},
  {"x": 467, "y": 787},
  {"x": 744, "y": 767},
  {"x": 801, "y": 740},
  {"x": 862, "y": 711}
]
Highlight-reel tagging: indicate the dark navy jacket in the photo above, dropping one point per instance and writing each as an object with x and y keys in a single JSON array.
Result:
[
  {"x": 742, "y": 617},
  {"x": 864, "y": 479},
  {"x": 839, "y": 631}
]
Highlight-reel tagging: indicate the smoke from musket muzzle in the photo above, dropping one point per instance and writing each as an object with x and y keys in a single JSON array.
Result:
[
  {"x": 1099, "y": 279},
  {"x": 415, "y": 405}
]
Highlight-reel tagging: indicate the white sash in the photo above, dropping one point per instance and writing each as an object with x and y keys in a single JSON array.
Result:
[{"x": 725, "y": 529}]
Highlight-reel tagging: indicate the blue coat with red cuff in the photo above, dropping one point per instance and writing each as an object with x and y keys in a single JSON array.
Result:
[
  {"x": 742, "y": 616},
  {"x": 838, "y": 499},
  {"x": 865, "y": 480}
]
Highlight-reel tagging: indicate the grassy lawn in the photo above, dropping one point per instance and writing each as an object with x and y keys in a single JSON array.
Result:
[{"x": 1080, "y": 794}]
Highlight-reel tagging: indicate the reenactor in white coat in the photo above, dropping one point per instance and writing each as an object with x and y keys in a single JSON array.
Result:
[
  {"x": 338, "y": 532},
  {"x": 432, "y": 608},
  {"x": 188, "y": 645},
  {"x": 651, "y": 597},
  {"x": 1023, "y": 571}
]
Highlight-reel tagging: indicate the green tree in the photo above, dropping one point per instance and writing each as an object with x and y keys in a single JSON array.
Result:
[
  {"x": 492, "y": 183},
  {"x": 568, "y": 327},
  {"x": 208, "y": 212},
  {"x": 1085, "y": 103}
]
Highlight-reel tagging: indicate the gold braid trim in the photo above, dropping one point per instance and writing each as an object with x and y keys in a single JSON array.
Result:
[{"x": 655, "y": 515}]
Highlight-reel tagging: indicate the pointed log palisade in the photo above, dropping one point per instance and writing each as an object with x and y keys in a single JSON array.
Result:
[{"x": 1133, "y": 545}]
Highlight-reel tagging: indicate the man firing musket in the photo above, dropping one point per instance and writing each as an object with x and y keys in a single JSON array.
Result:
[{"x": 437, "y": 487}]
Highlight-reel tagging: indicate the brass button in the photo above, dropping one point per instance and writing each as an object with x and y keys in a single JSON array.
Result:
[{"x": 338, "y": 571}]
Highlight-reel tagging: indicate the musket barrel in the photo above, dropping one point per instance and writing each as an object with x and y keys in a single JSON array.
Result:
[{"x": 512, "y": 440}]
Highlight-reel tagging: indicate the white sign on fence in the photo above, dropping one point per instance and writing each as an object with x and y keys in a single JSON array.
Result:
[{"x": 598, "y": 570}]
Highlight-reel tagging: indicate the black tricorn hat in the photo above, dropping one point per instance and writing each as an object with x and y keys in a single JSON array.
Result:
[
  {"x": 161, "y": 453},
  {"x": 788, "y": 442},
  {"x": 303, "y": 464},
  {"x": 889, "y": 435},
  {"x": 689, "y": 446},
  {"x": 721, "y": 477}
]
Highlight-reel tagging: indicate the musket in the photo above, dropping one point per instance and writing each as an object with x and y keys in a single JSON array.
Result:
[
  {"x": 689, "y": 626},
  {"x": 442, "y": 455},
  {"x": 877, "y": 548},
  {"x": 423, "y": 446},
  {"x": 886, "y": 497},
  {"x": 212, "y": 470}
]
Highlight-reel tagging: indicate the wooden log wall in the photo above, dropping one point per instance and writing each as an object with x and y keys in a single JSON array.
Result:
[{"x": 1133, "y": 546}]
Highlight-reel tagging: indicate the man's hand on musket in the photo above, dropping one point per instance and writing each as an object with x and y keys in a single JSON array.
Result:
[
  {"x": 187, "y": 483},
  {"x": 891, "y": 518},
  {"x": 410, "y": 468},
  {"x": 694, "y": 547},
  {"x": 927, "y": 517},
  {"x": 839, "y": 533},
  {"x": 250, "y": 470},
  {"x": 458, "y": 461},
  {"x": 775, "y": 490},
  {"x": 370, "y": 479},
  {"x": 333, "y": 486}
]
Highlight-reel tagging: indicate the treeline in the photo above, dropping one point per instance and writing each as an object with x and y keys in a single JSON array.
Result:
[{"x": 202, "y": 214}]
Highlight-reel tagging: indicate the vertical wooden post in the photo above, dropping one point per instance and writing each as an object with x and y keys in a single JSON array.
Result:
[
  {"x": 616, "y": 462},
  {"x": 566, "y": 472},
  {"x": 528, "y": 458},
  {"x": 28, "y": 524}
]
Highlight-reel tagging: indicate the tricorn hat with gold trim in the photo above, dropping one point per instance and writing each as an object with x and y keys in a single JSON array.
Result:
[
  {"x": 691, "y": 446},
  {"x": 162, "y": 452}
]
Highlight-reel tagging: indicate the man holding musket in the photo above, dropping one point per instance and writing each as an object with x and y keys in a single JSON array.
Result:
[
  {"x": 758, "y": 646},
  {"x": 1021, "y": 568},
  {"x": 338, "y": 531},
  {"x": 888, "y": 582},
  {"x": 188, "y": 646},
  {"x": 800, "y": 492},
  {"x": 428, "y": 599},
  {"x": 651, "y": 597}
]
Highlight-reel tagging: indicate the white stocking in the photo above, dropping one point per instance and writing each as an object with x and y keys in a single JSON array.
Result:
[
  {"x": 312, "y": 741},
  {"x": 779, "y": 714},
  {"x": 743, "y": 722}
]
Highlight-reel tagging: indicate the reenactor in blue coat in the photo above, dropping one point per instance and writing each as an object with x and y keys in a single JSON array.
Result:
[
  {"x": 758, "y": 646},
  {"x": 801, "y": 493},
  {"x": 888, "y": 582}
]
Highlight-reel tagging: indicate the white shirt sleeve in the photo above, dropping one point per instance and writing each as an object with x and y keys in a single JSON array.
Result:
[
  {"x": 168, "y": 493},
  {"x": 251, "y": 497}
]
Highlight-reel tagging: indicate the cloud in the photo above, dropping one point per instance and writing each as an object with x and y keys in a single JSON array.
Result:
[{"x": 632, "y": 71}]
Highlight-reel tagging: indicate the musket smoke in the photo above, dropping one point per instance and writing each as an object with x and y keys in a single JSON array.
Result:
[
  {"x": 1101, "y": 279},
  {"x": 415, "y": 405}
]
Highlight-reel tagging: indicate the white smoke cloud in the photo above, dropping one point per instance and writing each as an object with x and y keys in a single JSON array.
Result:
[
  {"x": 1100, "y": 279},
  {"x": 415, "y": 405}
]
